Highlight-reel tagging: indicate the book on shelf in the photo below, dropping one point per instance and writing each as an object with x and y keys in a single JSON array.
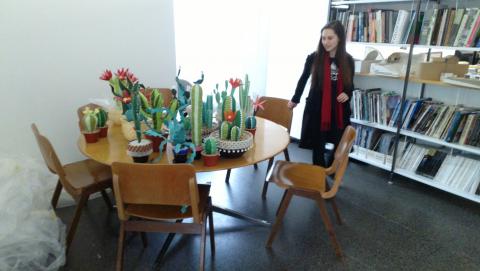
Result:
[
  {"x": 430, "y": 163},
  {"x": 466, "y": 27},
  {"x": 456, "y": 25},
  {"x": 455, "y": 124},
  {"x": 454, "y": 171}
]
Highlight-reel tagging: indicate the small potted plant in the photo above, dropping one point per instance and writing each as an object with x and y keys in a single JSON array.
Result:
[
  {"x": 210, "y": 152},
  {"x": 102, "y": 117},
  {"x": 183, "y": 151},
  {"x": 89, "y": 125}
]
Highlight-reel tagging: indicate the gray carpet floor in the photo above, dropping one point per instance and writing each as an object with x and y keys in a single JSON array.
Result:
[{"x": 402, "y": 225}]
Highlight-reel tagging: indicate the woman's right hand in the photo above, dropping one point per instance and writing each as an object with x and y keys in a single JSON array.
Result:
[{"x": 291, "y": 105}]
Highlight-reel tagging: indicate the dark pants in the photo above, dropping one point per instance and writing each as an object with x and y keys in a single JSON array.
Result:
[{"x": 318, "y": 152}]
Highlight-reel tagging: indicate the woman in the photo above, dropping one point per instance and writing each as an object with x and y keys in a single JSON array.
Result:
[{"x": 327, "y": 110}]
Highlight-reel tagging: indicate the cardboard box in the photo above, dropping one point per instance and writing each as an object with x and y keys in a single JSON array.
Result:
[{"x": 433, "y": 69}]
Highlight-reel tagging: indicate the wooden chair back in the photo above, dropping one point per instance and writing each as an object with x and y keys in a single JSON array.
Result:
[
  {"x": 276, "y": 110},
  {"x": 51, "y": 159},
  {"x": 166, "y": 93},
  {"x": 155, "y": 184},
  {"x": 340, "y": 161}
]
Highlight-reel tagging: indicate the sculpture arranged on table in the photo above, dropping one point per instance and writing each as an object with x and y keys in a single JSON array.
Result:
[{"x": 232, "y": 137}]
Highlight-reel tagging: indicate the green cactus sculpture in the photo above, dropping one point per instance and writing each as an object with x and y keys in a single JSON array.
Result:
[
  {"x": 102, "y": 117},
  {"x": 209, "y": 112},
  {"x": 196, "y": 118},
  {"x": 235, "y": 133},
  {"x": 251, "y": 122},
  {"x": 210, "y": 146},
  {"x": 90, "y": 120},
  {"x": 225, "y": 130}
]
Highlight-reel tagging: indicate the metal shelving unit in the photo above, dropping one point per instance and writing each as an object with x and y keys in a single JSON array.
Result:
[{"x": 408, "y": 79}]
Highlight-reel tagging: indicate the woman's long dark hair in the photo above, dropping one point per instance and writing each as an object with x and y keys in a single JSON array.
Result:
[{"x": 340, "y": 55}]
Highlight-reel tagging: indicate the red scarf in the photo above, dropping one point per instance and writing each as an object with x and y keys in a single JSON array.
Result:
[{"x": 326, "y": 115}]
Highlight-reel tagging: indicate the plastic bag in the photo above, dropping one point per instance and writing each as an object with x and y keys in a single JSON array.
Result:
[{"x": 31, "y": 236}]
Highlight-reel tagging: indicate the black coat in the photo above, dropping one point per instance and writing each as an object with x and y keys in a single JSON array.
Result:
[{"x": 311, "y": 115}]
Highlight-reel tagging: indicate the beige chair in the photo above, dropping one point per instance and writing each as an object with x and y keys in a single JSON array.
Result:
[
  {"x": 277, "y": 111},
  {"x": 166, "y": 93},
  {"x": 151, "y": 197},
  {"x": 79, "y": 179},
  {"x": 310, "y": 181}
]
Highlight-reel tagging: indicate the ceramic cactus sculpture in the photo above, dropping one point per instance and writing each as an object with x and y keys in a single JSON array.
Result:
[
  {"x": 225, "y": 130},
  {"x": 196, "y": 119},
  {"x": 102, "y": 117},
  {"x": 235, "y": 133},
  {"x": 208, "y": 112},
  {"x": 210, "y": 146},
  {"x": 240, "y": 121},
  {"x": 89, "y": 120},
  {"x": 251, "y": 122}
]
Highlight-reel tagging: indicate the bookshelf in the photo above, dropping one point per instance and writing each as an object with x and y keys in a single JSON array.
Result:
[
  {"x": 452, "y": 95},
  {"x": 412, "y": 79}
]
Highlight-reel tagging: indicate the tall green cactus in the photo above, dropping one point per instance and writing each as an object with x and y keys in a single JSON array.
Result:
[
  {"x": 197, "y": 105},
  {"x": 210, "y": 146},
  {"x": 240, "y": 121},
  {"x": 102, "y": 117},
  {"x": 209, "y": 112}
]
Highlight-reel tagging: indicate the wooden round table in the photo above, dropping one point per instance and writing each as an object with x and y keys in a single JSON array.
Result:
[{"x": 270, "y": 140}]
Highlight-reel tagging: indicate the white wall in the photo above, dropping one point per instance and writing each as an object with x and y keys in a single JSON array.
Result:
[
  {"x": 294, "y": 33},
  {"x": 53, "y": 51},
  {"x": 224, "y": 39}
]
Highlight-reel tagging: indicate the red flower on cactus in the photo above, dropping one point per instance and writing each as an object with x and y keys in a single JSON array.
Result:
[
  {"x": 235, "y": 83},
  {"x": 122, "y": 73},
  {"x": 230, "y": 115},
  {"x": 131, "y": 77},
  {"x": 126, "y": 98},
  {"x": 258, "y": 104},
  {"x": 107, "y": 75}
]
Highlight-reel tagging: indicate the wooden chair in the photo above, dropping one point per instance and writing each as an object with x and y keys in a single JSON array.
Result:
[
  {"x": 166, "y": 93},
  {"x": 150, "y": 196},
  {"x": 79, "y": 179},
  {"x": 276, "y": 110},
  {"x": 310, "y": 181}
]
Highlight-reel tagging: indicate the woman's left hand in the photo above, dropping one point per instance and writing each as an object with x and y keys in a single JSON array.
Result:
[{"x": 342, "y": 97}]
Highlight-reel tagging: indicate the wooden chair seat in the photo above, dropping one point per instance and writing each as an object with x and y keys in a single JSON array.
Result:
[
  {"x": 309, "y": 181},
  {"x": 168, "y": 212},
  {"x": 299, "y": 176},
  {"x": 86, "y": 173}
]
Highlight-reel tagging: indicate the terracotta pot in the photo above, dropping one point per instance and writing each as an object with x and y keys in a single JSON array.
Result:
[
  {"x": 251, "y": 130},
  {"x": 103, "y": 131},
  {"x": 156, "y": 141},
  {"x": 140, "y": 151},
  {"x": 91, "y": 137},
  {"x": 210, "y": 160}
]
